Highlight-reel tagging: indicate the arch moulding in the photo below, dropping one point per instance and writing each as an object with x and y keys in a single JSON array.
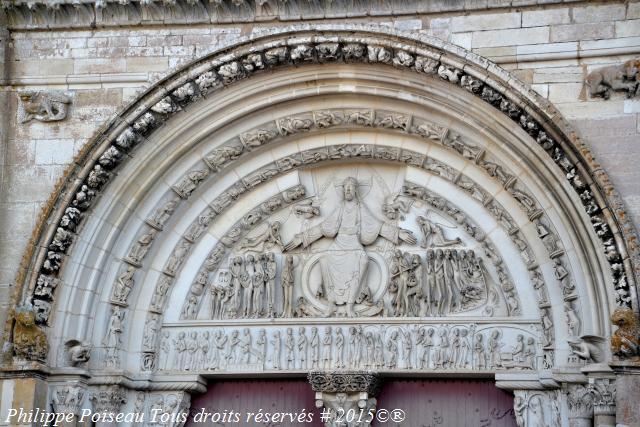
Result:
[{"x": 236, "y": 158}]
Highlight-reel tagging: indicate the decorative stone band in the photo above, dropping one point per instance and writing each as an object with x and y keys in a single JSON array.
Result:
[
  {"x": 207, "y": 76},
  {"x": 101, "y": 13},
  {"x": 345, "y": 382},
  {"x": 484, "y": 346}
]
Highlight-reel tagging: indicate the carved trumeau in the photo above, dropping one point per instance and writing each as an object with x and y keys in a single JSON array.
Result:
[{"x": 342, "y": 393}]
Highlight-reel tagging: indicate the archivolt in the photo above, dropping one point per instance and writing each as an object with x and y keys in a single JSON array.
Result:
[{"x": 427, "y": 56}]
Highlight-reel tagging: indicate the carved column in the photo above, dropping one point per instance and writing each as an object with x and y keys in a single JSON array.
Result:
[
  {"x": 537, "y": 408},
  {"x": 603, "y": 393},
  {"x": 349, "y": 396},
  {"x": 602, "y": 388},
  {"x": 580, "y": 404},
  {"x": 108, "y": 401},
  {"x": 67, "y": 400},
  {"x": 170, "y": 409},
  {"x": 627, "y": 392}
]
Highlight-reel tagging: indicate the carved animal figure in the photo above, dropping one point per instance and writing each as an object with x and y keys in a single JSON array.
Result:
[
  {"x": 77, "y": 352},
  {"x": 625, "y": 342},
  {"x": 29, "y": 341},
  {"x": 603, "y": 81},
  {"x": 45, "y": 107},
  {"x": 588, "y": 347}
]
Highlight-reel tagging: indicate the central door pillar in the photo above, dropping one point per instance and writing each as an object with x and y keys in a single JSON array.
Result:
[{"x": 347, "y": 397}]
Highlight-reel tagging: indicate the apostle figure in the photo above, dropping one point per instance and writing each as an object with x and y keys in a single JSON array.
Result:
[{"x": 344, "y": 265}]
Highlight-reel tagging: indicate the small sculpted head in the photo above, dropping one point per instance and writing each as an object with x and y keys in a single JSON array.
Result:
[{"x": 350, "y": 188}]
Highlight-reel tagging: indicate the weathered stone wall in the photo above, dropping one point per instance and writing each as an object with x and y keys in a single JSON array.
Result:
[{"x": 550, "y": 47}]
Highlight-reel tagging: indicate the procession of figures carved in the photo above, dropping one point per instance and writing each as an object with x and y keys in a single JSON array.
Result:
[
  {"x": 435, "y": 283},
  {"x": 421, "y": 347}
]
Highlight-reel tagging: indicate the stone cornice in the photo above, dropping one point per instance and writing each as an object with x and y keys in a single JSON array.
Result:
[{"x": 48, "y": 14}]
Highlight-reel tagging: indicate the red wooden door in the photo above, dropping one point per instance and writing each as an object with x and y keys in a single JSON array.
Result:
[
  {"x": 249, "y": 396},
  {"x": 426, "y": 403},
  {"x": 447, "y": 403}
]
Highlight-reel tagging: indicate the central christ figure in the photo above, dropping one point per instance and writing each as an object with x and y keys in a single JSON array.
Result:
[{"x": 352, "y": 226}]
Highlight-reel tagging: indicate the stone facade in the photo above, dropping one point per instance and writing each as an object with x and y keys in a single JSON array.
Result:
[{"x": 67, "y": 89}]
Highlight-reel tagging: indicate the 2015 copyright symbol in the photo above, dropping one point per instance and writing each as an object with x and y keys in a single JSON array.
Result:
[
  {"x": 397, "y": 415},
  {"x": 382, "y": 415}
]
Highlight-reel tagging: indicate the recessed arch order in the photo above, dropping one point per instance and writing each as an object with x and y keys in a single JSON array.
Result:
[{"x": 231, "y": 143}]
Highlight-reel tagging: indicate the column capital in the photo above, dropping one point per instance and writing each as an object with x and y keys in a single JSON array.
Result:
[
  {"x": 346, "y": 395},
  {"x": 345, "y": 382},
  {"x": 67, "y": 399}
]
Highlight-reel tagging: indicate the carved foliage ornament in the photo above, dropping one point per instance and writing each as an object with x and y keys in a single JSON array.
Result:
[
  {"x": 230, "y": 71},
  {"x": 345, "y": 382},
  {"x": 67, "y": 399}
]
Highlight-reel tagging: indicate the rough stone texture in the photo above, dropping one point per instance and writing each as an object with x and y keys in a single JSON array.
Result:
[{"x": 551, "y": 48}]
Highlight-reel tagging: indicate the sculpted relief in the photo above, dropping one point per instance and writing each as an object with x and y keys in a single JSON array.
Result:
[
  {"x": 347, "y": 241},
  {"x": 343, "y": 265},
  {"x": 450, "y": 347},
  {"x": 351, "y": 258}
]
